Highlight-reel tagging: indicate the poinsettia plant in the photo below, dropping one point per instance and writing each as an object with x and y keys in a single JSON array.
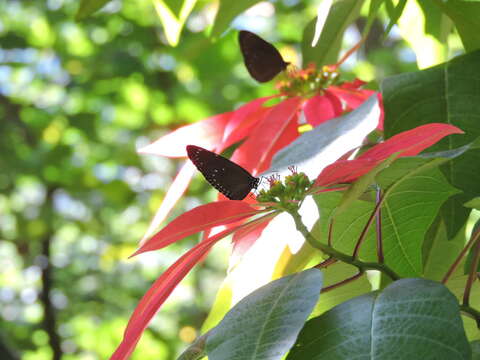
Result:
[{"x": 361, "y": 194}]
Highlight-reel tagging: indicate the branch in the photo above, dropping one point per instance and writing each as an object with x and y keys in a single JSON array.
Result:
[{"x": 362, "y": 266}]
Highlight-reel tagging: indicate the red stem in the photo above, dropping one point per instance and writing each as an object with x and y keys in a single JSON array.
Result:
[
  {"x": 379, "y": 228},
  {"x": 460, "y": 256},
  {"x": 363, "y": 235},
  {"x": 471, "y": 275},
  {"x": 343, "y": 282}
]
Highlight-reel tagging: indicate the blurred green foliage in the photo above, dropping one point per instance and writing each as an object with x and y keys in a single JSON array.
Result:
[{"x": 76, "y": 100}]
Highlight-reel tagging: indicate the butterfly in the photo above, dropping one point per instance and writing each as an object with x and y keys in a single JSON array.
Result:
[
  {"x": 230, "y": 179},
  {"x": 262, "y": 59}
]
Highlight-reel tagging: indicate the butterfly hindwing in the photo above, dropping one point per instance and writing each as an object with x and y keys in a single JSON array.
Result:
[
  {"x": 262, "y": 59},
  {"x": 230, "y": 179}
]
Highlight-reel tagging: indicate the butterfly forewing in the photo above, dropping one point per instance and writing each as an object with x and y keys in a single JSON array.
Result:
[
  {"x": 262, "y": 59},
  {"x": 230, "y": 179}
]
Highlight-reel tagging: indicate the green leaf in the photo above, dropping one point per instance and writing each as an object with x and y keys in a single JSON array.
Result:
[
  {"x": 341, "y": 15},
  {"x": 410, "y": 319},
  {"x": 412, "y": 24},
  {"x": 173, "y": 15},
  {"x": 414, "y": 193},
  {"x": 265, "y": 324},
  {"x": 88, "y": 7},
  {"x": 442, "y": 94},
  {"x": 442, "y": 251},
  {"x": 395, "y": 15},
  {"x": 227, "y": 11},
  {"x": 456, "y": 284},
  {"x": 437, "y": 23},
  {"x": 474, "y": 203},
  {"x": 372, "y": 15},
  {"x": 466, "y": 16},
  {"x": 475, "y": 350}
]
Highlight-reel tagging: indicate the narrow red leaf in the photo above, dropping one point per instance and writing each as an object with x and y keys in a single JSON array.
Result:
[
  {"x": 411, "y": 142},
  {"x": 243, "y": 120},
  {"x": 254, "y": 152},
  {"x": 202, "y": 217},
  {"x": 407, "y": 143},
  {"x": 207, "y": 133},
  {"x": 343, "y": 171},
  {"x": 159, "y": 292}
]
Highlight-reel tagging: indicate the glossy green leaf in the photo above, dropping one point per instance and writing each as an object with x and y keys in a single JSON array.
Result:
[
  {"x": 372, "y": 14},
  {"x": 265, "y": 324},
  {"x": 474, "y": 203},
  {"x": 227, "y": 11},
  {"x": 413, "y": 192},
  {"x": 414, "y": 99},
  {"x": 410, "y": 319},
  {"x": 395, "y": 15},
  {"x": 341, "y": 15},
  {"x": 466, "y": 17},
  {"x": 413, "y": 197}
]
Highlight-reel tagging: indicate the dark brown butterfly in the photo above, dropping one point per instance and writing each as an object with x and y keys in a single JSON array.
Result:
[
  {"x": 262, "y": 59},
  {"x": 230, "y": 179}
]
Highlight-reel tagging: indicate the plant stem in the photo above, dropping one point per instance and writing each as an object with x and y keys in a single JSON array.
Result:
[
  {"x": 460, "y": 256},
  {"x": 471, "y": 275},
  {"x": 362, "y": 266},
  {"x": 326, "y": 263},
  {"x": 343, "y": 282},
  {"x": 379, "y": 228},
  {"x": 363, "y": 235},
  {"x": 471, "y": 312}
]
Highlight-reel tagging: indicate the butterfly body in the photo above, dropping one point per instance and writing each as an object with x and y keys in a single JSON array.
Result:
[
  {"x": 262, "y": 59},
  {"x": 230, "y": 179}
]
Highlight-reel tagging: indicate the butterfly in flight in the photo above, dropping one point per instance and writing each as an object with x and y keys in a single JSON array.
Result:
[
  {"x": 262, "y": 59},
  {"x": 230, "y": 179}
]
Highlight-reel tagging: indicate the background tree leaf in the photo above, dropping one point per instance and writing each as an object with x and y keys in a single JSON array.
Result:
[
  {"x": 341, "y": 15},
  {"x": 227, "y": 11},
  {"x": 88, "y": 7},
  {"x": 173, "y": 17}
]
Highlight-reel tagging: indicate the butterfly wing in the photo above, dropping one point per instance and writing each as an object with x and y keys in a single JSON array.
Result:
[
  {"x": 230, "y": 179},
  {"x": 262, "y": 59}
]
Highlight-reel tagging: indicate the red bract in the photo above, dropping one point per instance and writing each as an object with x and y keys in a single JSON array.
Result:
[
  {"x": 263, "y": 130},
  {"x": 233, "y": 214},
  {"x": 203, "y": 217},
  {"x": 407, "y": 143}
]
